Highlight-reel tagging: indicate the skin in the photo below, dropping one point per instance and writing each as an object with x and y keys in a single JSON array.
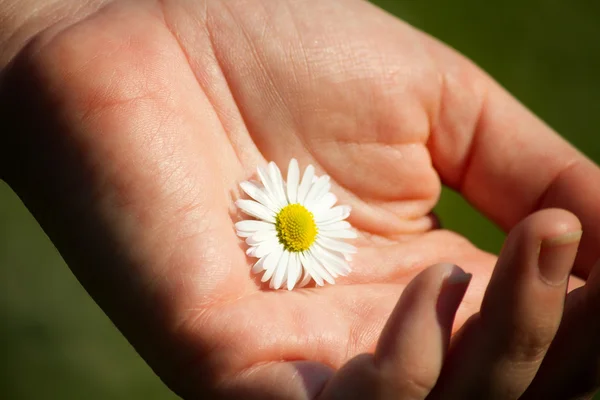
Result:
[{"x": 130, "y": 125}]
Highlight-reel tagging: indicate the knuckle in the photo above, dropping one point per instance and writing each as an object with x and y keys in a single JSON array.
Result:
[
  {"x": 523, "y": 339},
  {"x": 530, "y": 344}
]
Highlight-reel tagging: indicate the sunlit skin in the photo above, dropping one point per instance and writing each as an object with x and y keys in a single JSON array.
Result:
[{"x": 131, "y": 129}]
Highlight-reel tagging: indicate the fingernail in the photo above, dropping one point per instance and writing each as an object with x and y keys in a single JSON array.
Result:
[
  {"x": 458, "y": 278},
  {"x": 451, "y": 295},
  {"x": 556, "y": 256}
]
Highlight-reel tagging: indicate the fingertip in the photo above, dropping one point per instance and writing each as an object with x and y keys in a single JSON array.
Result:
[
  {"x": 452, "y": 292},
  {"x": 556, "y": 257},
  {"x": 434, "y": 277},
  {"x": 556, "y": 234},
  {"x": 564, "y": 221},
  {"x": 451, "y": 295},
  {"x": 568, "y": 237},
  {"x": 544, "y": 245},
  {"x": 419, "y": 328},
  {"x": 551, "y": 226},
  {"x": 459, "y": 278}
]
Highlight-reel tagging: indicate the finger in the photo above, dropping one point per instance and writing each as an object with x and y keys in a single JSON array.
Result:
[
  {"x": 498, "y": 352},
  {"x": 424, "y": 314},
  {"x": 571, "y": 369},
  {"x": 504, "y": 159},
  {"x": 411, "y": 348}
]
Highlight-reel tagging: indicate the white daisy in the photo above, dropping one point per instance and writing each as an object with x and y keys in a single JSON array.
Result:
[{"x": 296, "y": 236}]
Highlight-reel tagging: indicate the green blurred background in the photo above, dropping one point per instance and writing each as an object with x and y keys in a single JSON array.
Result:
[{"x": 57, "y": 344}]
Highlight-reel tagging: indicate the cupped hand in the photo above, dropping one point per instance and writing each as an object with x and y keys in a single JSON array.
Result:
[{"x": 131, "y": 128}]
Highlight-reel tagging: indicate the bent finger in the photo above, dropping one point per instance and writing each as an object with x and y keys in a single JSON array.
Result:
[
  {"x": 498, "y": 352},
  {"x": 412, "y": 345},
  {"x": 571, "y": 369},
  {"x": 506, "y": 161}
]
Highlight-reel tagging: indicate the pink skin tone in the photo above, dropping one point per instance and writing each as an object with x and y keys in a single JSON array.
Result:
[{"x": 131, "y": 124}]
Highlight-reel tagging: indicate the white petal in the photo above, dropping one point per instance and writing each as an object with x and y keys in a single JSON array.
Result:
[
  {"x": 335, "y": 269},
  {"x": 325, "y": 203},
  {"x": 332, "y": 215},
  {"x": 339, "y": 233},
  {"x": 282, "y": 269},
  {"x": 321, "y": 185},
  {"x": 336, "y": 245},
  {"x": 331, "y": 262},
  {"x": 335, "y": 226},
  {"x": 261, "y": 236},
  {"x": 259, "y": 195},
  {"x": 339, "y": 259},
  {"x": 265, "y": 248},
  {"x": 267, "y": 275},
  {"x": 305, "y": 279},
  {"x": 306, "y": 183},
  {"x": 252, "y": 226},
  {"x": 270, "y": 186},
  {"x": 300, "y": 269},
  {"x": 317, "y": 266},
  {"x": 270, "y": 263},
  {"x": 263, "y": 175},
  {"x": 294, "y": 271},
  {"x": 258, "y": 266},
  {"x": 245, "y": 234},
  {"x": 255, "y": 209},
  {"x": 272, "y": 258},
  {"x": 322, "y": 192},
  {"x": 307, "y": 263},
  {"x": 293, "y": 176},
  {"x": 277, "y": 180},
  {"x": 250, "y": 251}
]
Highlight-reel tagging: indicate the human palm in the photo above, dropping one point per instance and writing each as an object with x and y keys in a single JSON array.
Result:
[{"x": 159, "y": 110}]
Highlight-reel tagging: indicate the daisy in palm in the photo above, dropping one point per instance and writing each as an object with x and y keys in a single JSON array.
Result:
[{"x": 297, "y": 237}]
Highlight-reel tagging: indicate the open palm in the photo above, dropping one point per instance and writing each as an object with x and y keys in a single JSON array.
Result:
[{"x": 160, "y": 109}]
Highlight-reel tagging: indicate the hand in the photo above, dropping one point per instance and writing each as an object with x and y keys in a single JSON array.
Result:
[{"x": 131, "y": 129}]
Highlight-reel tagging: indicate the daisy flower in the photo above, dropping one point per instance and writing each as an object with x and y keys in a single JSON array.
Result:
[{"x": 297, "y": 235}]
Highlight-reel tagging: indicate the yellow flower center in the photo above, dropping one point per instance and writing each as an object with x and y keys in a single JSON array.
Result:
[{"x": 296, "y": 228}]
